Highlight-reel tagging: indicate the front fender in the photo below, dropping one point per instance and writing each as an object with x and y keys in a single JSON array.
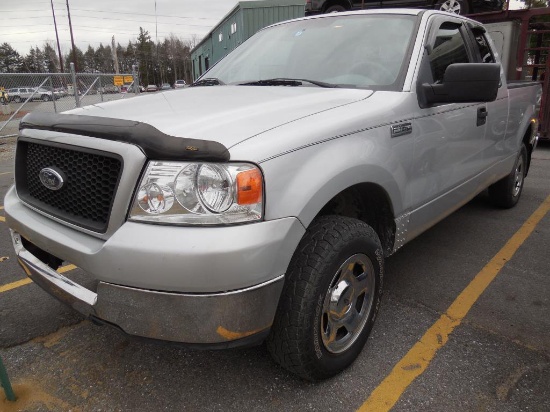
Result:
[{"x": 302, "y": 182}]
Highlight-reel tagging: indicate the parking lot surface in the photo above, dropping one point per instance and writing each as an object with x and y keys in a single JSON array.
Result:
[
  {"x": 495, "y": 356},
  {"x": 59, "y": 105}
]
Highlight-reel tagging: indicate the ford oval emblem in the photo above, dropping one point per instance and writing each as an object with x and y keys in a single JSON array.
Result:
[{"x": 51, "y": 178}]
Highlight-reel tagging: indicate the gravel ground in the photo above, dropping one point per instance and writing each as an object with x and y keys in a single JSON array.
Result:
[
  {"x": 7, "y": 144},
  {"x": 7, "y": 149}
]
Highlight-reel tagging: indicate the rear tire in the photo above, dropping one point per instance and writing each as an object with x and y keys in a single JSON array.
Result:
[
  {"x": 336, "y": 9},
  {"x": 506, "y": 192},
  {"x": 330, "y": 299}
]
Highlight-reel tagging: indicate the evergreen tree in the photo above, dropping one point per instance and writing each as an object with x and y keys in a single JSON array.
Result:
[
  {"x": 90, "y": 63},
  {"x": 144, "y": 52},
  {"x": 80, "y": 60},
  {"x": 34, "y": 61},
  {"x": 51, "y": 63},
  {"x": 10, "y": 60}
]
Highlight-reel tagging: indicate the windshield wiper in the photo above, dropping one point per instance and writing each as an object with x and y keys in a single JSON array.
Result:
[
  {"x": 282, "y": 81},
  {"x": 209, "y": 81}
]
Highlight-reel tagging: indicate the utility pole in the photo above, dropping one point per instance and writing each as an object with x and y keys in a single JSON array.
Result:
[
  {"x": 115, "y": 57},
  {"x": 57, "y": 37},
  {"x": 157, "y": 42},
  {"x": 72, "y": 38}
]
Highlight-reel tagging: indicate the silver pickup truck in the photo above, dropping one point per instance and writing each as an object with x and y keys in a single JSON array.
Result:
[{"x": 260, "y": 203}]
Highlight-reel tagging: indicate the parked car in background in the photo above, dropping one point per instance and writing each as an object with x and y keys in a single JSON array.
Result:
[
  {"x": 129, "y": 88},
  {"x": 20, "y": 94},
  {"x": 57, "y": 94},
  {"x": 151, "y": 88},
  {"x": 179, "y": 84},
  {"x": 452, "y": 6},
  {"x": 60, "y": 91},
  {"x": 165, "y": 86},
  {"x": 109, "y": 88}
]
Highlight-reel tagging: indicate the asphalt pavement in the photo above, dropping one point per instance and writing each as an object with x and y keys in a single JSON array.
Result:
[{"x": 497, "y": 358}]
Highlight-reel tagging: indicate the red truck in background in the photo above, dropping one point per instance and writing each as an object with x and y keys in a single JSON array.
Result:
[{"x": 522, "y": 39}]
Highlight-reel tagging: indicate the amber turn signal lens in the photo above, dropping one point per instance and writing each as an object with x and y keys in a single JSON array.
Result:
[{"x": 249, "y": 187}]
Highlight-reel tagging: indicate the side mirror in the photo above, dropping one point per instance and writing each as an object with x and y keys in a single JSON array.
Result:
[{"x": 463, "y": 82}]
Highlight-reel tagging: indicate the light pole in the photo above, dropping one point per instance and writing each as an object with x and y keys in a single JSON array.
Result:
[{"x": 72, "y": 38}]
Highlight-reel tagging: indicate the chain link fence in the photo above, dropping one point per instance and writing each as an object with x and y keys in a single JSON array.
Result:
[{"x": 22, "y": 93}]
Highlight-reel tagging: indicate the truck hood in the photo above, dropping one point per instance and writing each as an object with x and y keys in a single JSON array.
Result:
[{"x": 226, "y": 114}]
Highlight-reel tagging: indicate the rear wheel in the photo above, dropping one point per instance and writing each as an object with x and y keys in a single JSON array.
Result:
[
  {"x": 330, "y": 298},
  {"x": 17, "y": 99},
  {"x": 335, "y": 9},
  {"x": 45, "y": 98},
  {"x": 506, "y": 192},
  {"x": 454, "y": 6}
]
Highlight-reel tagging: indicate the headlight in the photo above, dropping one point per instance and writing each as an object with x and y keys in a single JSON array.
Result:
[{"x": 199, "y": 193}]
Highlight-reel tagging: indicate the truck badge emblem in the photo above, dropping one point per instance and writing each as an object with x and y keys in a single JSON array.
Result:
[
  {"x": 51, "y": 178},
  {"x": 401, "y": 129}
]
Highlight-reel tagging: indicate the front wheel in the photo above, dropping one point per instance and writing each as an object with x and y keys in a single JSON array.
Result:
[
  {"x": 506, "y": 192},
  {"x": 329, "y": 302},
  {"x": 454, "y": 6}
]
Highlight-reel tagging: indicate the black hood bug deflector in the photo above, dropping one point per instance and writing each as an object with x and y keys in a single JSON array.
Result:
[{"x": 154, "y": 143}]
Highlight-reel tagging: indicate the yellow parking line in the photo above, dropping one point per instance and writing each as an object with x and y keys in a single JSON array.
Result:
[
  {"x": 14, "y": 285},
  {"x": 66, "y": 268},
  {"x": 5, "y": 173},
  {"x": 2, "y": 219},
  {"x": 26, "y": 281},
  {"x": 415, "y": 362}
]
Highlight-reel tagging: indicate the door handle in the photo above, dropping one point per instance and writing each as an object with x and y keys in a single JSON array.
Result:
[{"x": 482, "y": 116}]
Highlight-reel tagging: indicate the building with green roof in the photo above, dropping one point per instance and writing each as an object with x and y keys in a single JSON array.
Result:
[{"x": 245, "y": 19}]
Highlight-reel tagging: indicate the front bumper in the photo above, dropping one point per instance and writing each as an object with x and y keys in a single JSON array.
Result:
[
  {"x": 207, "y": 319},
  {"x": 213, "y": 286}
]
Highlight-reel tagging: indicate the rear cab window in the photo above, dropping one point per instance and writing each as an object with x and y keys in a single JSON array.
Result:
[{"x": 482, "y": 46}]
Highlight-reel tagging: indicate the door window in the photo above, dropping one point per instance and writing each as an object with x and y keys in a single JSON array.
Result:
[{"x": 448, "y": 48}]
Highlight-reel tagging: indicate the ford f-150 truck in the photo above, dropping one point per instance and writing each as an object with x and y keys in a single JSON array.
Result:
[{"x": 260, "y": 203}]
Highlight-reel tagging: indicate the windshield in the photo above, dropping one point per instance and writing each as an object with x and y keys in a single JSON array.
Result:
[{"x": 366, "y": 51}]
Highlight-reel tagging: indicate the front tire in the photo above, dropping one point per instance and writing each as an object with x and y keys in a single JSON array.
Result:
[
  {"x": 506, "y": 192},
  {"x": 330, "y": 299}
]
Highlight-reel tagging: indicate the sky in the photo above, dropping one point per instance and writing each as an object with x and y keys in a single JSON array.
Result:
[{"x": 29, "y": 23}]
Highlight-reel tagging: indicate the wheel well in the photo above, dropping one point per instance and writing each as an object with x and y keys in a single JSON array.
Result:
[
  {"x": 367, "y": 202},
  {"x": 343, "y": 3}
]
